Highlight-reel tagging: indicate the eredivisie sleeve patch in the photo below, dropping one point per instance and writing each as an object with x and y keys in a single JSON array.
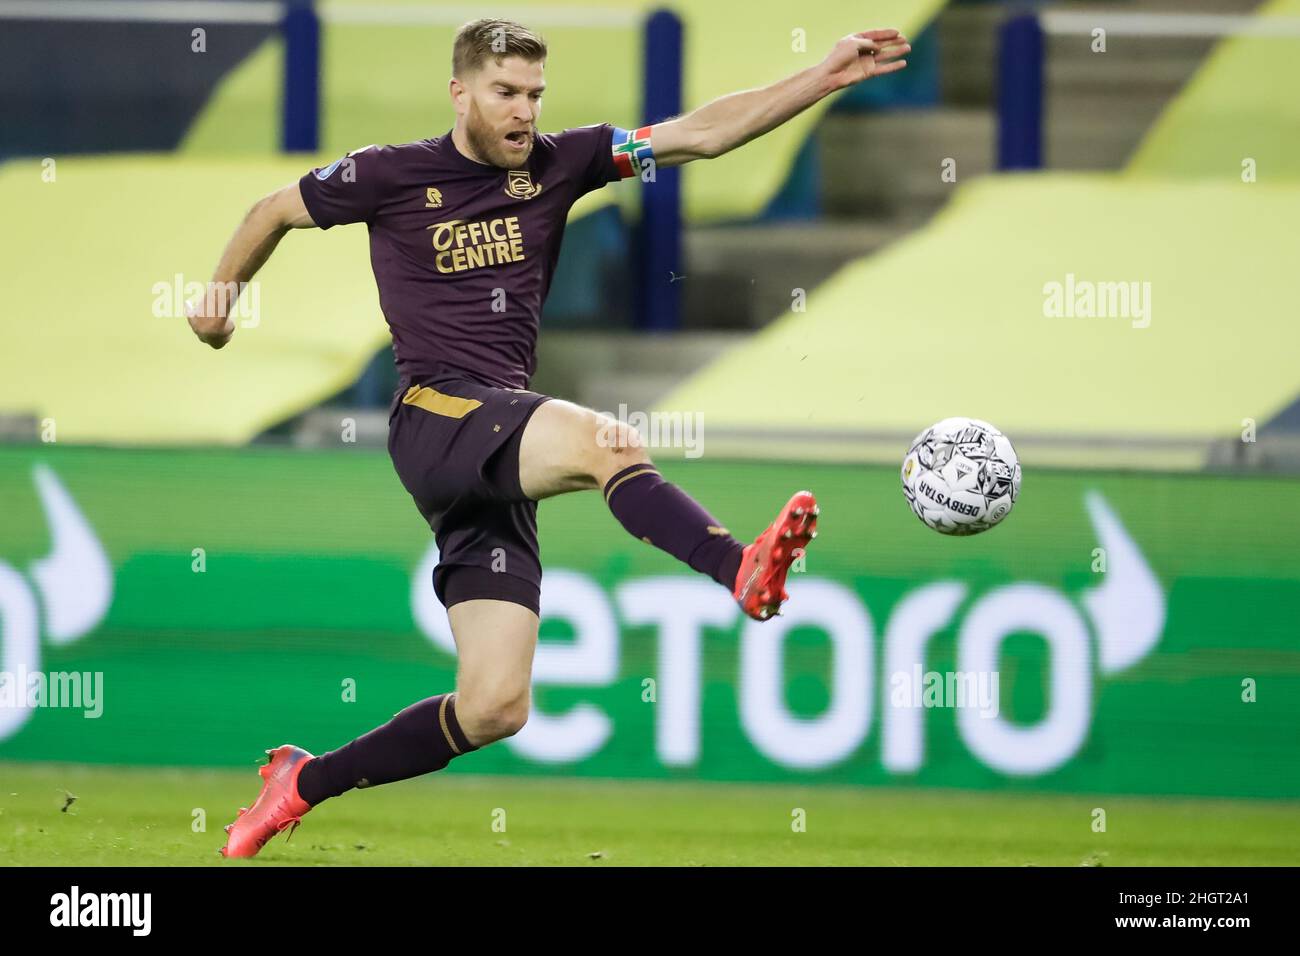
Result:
[{"x": 631, "y": 150}]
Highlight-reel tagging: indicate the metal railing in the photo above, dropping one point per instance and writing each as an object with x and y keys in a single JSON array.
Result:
[{"x": 1023, "y": 50}]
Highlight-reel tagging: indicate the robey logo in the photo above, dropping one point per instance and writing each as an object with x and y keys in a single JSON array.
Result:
[{"x": 1105, "y": 629}]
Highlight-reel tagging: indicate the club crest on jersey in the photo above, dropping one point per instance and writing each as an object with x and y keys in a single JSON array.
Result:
[
  {"x": 520, "y": 185},
  {"x": 433, "y": 198}
]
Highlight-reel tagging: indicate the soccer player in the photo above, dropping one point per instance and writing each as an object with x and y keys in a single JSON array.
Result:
[{"x": 465, "y": 231}]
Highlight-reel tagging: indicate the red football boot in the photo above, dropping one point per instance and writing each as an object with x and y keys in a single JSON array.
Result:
[
  {"x": 760, "y": 582},
  {"x": 278, "y": 805}
]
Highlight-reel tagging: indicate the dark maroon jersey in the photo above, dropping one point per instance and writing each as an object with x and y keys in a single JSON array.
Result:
[{"x": 463, "y": 253}]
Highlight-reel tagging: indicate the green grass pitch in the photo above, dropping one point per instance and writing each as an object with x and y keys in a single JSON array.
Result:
[{"x": 127, "y": 817}]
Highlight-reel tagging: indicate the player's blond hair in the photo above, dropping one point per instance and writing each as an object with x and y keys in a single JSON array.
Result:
[{"x": 478, "y": 40}]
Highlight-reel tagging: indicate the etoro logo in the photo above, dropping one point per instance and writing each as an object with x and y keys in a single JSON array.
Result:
[
  {"x": 1127, "y": 612},
  {"x": 1107, "y": 629},
  {"x": 70, "y": 589}
]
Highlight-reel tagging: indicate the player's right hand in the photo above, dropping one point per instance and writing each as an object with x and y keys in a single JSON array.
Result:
[{"x": 209, "y": 322}]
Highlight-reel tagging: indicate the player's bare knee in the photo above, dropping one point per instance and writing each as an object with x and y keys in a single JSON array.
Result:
[
  {"x": 494, "y": 718},
  {"x": 617, "y": 446},
  {"x": 511, "y": 719},
  {"x": 504, "y": 722}
]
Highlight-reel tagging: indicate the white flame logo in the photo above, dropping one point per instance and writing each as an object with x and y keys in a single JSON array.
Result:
[{"x": 74, "y": 583}]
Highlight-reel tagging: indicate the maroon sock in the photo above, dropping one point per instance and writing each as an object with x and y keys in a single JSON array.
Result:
[
  {"x": 421, "y": 739},
  {"x": 659, "y": 512}
]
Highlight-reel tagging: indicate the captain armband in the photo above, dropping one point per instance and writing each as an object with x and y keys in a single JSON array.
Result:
[{"x": 632, "y": 151}]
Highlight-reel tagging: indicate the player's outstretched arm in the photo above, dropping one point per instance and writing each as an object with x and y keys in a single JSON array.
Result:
[
  {"x": 251, "y": 245},
  {"x": 730, "y": 121}
]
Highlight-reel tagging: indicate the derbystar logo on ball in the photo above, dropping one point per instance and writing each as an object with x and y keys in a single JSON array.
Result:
[{"x": 961, "y": 476}]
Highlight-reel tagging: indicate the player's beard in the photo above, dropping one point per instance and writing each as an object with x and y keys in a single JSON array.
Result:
[{"x": 486, "y": 141}]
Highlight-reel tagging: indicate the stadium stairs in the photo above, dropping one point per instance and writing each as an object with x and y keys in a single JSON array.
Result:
[
  {"x": 880, "y": 170},
  {"x": 879, "y": 176}
]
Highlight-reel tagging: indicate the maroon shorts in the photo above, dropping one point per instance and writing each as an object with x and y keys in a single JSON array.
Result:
[{"x": 455, "y": 445}]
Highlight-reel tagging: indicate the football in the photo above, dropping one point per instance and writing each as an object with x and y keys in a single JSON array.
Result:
[{"x": 961, "y": 476}]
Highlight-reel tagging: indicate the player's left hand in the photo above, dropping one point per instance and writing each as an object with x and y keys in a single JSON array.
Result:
[{"x": 860, "y": 56}]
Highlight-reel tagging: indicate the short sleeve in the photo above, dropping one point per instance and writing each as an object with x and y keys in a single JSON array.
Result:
[
  {"x": 588, "y": 152},
  {"x": 347, "y": 190}
]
